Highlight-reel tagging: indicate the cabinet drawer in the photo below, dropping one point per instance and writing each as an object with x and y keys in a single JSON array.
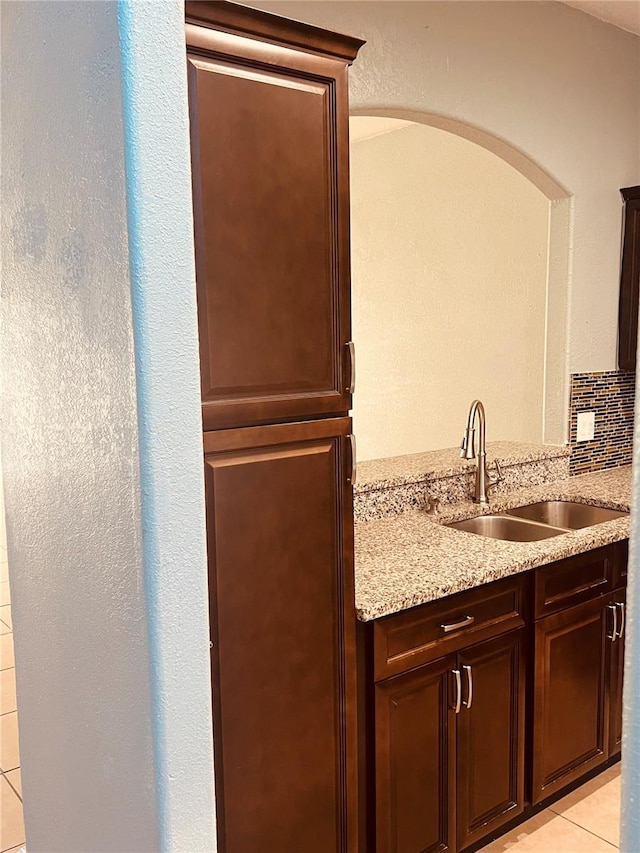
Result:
[
  {"x": 406, "y": 640},
  {"x": 574, "y": 580}
]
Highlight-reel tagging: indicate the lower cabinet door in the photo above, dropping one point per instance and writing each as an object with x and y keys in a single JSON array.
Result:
[
  {"x": 571, "y": 704},
  {"x": 415, "y": 760},
  {"x": 490, "y": 745},
  {"x": 617, "y": 674},
  {"x": 280, "y": 538}
]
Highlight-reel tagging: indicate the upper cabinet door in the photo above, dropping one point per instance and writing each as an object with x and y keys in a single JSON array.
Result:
[
  {"x": 270, "y": 160},
  {"x": 629, "y": 280}
]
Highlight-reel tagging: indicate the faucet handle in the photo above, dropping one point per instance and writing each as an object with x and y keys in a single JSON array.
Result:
[
  {"x": 498, "y": 476},
  {"x": 432, "y": 505}
]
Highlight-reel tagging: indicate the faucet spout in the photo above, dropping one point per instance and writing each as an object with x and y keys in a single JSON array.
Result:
[{"x": 484, "y": 480}]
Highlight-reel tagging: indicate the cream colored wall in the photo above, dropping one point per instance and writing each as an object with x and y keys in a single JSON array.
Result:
[{"x": 449, "y": 266}]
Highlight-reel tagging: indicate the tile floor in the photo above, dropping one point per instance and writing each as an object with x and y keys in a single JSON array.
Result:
[
  {"x": 585, "y": 821},
  {"x": 11, "y": 822}
]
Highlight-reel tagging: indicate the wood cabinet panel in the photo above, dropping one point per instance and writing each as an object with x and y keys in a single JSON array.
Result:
[
  {"x": 491, "y": 729},
  {"x": 620, "y": 564},
  {"x": 571, "y": 704},
  {"x": 280, "y": 540},
  {"x": 629, "y": 280},
  {"x": 269, "y": 136},
  {"x": 408, "y": 639},
  {"x": 415, "y": 761},
  {"x": 574, "y": 580}
]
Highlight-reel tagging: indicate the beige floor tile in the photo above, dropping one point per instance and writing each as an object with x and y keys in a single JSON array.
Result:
[
  {"x": 4, "y": 567},
  {"x": 549, "y": 833},
  {"x": 8, "y": 701},
  {"x": 11, "y": 820},
  {"x": 4, "y": 629},
  {"x": 5, "y": 615},
  {"x": 14, "y": 777},
  {"x": 5, "y": 595},
  {"x": 6, "y": 651},
  {"x": 595, "y": 805},
  {"x": 9, "y": 749}
]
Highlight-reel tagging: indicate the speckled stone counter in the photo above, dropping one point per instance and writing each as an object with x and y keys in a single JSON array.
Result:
[
  {"x": 411, "y": 558},
  {"x": 388, "y": 486}
]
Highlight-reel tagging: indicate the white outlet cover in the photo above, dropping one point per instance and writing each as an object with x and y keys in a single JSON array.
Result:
[{"x": 586, "y": 426}]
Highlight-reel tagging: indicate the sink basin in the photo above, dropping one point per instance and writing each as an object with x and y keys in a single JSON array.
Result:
[
  {"x": 565, "y": 514},
  {"x": 508, "y": 528}
]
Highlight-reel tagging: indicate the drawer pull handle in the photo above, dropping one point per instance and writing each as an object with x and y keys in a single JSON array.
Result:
[
  {"x": 620, "y": 604},
  {"x": 456, "y": 673},
  {"x": 455, "y": 626},
  {"x": 469, "y": 700},
  {"x": 613, "y": 636}
]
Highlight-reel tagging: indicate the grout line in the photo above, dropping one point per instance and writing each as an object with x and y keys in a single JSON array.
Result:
[
  {"x": 8, "y": 781},
  {"x": 595, "y": 835}
]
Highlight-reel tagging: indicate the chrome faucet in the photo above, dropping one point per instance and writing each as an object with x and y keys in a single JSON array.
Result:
[{"x": 484, "y": 480}]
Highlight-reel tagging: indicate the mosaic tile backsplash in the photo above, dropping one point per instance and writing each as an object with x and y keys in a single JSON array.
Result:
[{"x": 611, "y": 396}]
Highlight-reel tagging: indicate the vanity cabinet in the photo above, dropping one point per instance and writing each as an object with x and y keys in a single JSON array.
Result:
[
  {"x": 629, "y": 280},
  {"x": 268, "y": 107},
  {"x": 570, "y": 723},
  {"x": 577, "y": 668},
  {"x": 449, "y": 733},
  {"x": 487, "y": 702}
]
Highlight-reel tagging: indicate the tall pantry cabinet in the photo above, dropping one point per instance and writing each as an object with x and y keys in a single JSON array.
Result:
[{"x": 268, "y": 104}]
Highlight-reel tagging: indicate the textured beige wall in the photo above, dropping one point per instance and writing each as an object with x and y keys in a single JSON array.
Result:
[{"x": 449, "y": 267}]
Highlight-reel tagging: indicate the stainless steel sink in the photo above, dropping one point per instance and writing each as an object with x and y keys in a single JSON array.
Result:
[
  {"x": 565, "y": 514},
  {"x": 508, "y": 528}
]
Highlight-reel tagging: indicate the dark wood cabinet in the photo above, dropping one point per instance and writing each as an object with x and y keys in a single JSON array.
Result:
[
  {"x": 490, "y": 701},
  {"x": 571, "y": 701},
  {"x": 578, "y": 668},
  {"x": 268, "y": 107},
  {"x": 449, "y": 733},
  {"x": 491, "y": 731},
  {"x": 268, "y": 103},
  {"x": 619, "y": 603},
  {"x": 629, "y": 280},
  {"x": 280, "y": 534},
  {"x": 415, "y": 761}
]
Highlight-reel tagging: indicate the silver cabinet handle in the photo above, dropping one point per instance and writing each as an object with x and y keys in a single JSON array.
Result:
[
  {"x": 456, "y": 673},
  {"x": 614, "y": 633},
  {"x": 620, "y": 604},
  {"x": 351, "y": 386},
  {"x": 454, "y": 626},
  {"x": 469, "y": 700},
  {"x": 354, "y": 464}
]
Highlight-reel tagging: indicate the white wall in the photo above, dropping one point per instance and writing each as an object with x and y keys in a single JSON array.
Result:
[
  {"x": 449, "y": 283},
  {"x": 559, "y": 85},
  {"x": 101, "y": 432}
]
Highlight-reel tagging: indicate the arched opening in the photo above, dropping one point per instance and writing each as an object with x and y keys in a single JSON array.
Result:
[{"x": 460, "y": 255}]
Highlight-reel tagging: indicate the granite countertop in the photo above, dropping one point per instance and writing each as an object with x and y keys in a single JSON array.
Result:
[
  {"x": 411, "y": 558},
  {"x": 415, "y": 467}
]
